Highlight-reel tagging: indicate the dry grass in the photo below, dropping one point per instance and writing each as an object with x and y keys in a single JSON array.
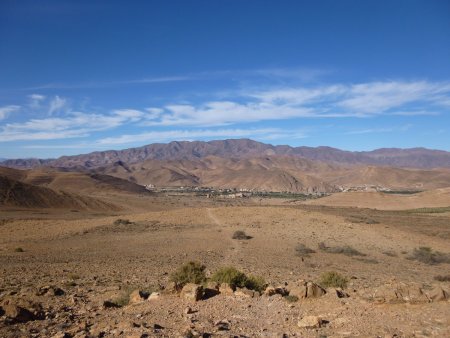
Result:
[
  {"x": 333, "y": 279},
  {"x": 191, "y": 272},
  {"x": 343, "y": 250},
  {"x": 426, "y": 255},
  {"x": 303, "y": 251}
]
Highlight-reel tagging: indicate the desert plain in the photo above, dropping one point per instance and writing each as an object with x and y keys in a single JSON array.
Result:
[{"x": 99, "y": 272}]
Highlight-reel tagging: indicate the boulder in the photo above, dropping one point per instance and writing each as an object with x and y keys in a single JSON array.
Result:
[
  {"x": 22, "y": 311},
  {"x": 244, "y": 292},
  {"x": 304, "y": 289},
  {"x": 226, "y": 289},
  {"x": 310, "y": 322},
  {"x": 192, "y": 292},
  {"x": 438, "y": 294},
  {"x": 138, "y": 296}
]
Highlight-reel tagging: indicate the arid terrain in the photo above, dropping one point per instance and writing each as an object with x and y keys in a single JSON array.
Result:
[
  {"x": 66, "y": 264},
  {"x": 89, "y": 252}
]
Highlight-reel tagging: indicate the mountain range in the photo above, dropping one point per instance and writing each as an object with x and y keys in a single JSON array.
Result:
[
  {"x": 244, "y": 148},
  {"x": 241, "y": 164}
]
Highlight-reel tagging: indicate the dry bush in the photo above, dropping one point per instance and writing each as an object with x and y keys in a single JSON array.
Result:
[
  {"x": 303, "y": 251},
  {"x": 236, "y": 278},
  {"x": 121, "y": 221},
  {"x": 426, "y": 255},
  {"x": 191, "y": 272},
  {"x": 344, "y": 250},
  {"x": 241, "y": 235},
  {"x": 442, "y": 278},
  {"x": 333, "y": 279}
]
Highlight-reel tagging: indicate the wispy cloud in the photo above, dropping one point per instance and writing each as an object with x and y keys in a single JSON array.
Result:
[
  {"x": 380, "y": 130},
  {"x": 75, "y": 124},
  {"x": 107, "y": 84},
  {"x": 5, "y": 111},
  {"x": 56, "y": 105}
]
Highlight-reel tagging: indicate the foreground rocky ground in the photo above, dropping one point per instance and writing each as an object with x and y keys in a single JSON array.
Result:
[{"x": 79, "y": 277}]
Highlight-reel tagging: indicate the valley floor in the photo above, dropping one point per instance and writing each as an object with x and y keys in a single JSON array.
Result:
[{"x": 93, "y": 258}]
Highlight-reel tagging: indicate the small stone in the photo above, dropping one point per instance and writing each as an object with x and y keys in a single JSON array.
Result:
[
  {"x": 154, "y": 296},
  {"x": 310, "y": 322},
  {"x": 188, "y": 310}
]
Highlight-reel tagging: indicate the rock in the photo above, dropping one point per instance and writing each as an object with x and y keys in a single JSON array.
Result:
[
  {"x": 211, "y": 290},
  {"x": 222, "y": 325},
  {"x": 138, "y": 296},
  {"x": 270, "y": 291},
  {"x": 171, "y": 287},
  {"x": 226, "y": 289},
  {"x": 192, "y": 291},
  {"x": 244, "y": 292},
  {"x": 340, "y": 293},
  {"x": 314, "y": 291},
  {"x": 305, "y": 289},
  {"x": 188, "y": 310},
  {"x": 310, "y": 322},
  {"x": 107, "y": 304},
  {"x": 22, "y": 311},
  {"x": 438, "y": 294},
  {"x": 154, "y": 296},
  {"x": 397, "y": 293}
]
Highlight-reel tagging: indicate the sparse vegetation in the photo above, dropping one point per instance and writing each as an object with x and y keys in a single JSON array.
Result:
[
  {"x": 121, "y": 221},
  {"x": 344, "y": 250},
  {"x": 303, "y": 251},
  {"x": 124, "y": 298},
  {"x": 390, "y": 253},
  {"x": 236, "y": 278},
  {"x": 241, "y": 235},
  {"x": 191, "y": 272},
  {"x": 19, "y": 249},
  {"x": 333, "y": 279},
  {"x": 442, "y": 278},
  {"x": 426, "y": 255},
  {"x": 291, "y": 299}
]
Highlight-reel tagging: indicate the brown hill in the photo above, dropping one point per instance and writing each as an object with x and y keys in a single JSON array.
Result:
[
  {"x": 18, "y": 194},
  {"x": 274, "y": 173},
  {"x": 244, "y": 148},
  {"x": 383, "y": 201}
]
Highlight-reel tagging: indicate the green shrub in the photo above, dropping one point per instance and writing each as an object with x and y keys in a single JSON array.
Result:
[
  {"x": 333, "y": 279},
  {"x": 426, "y": 255},
  {"x": 303, "y": 251},
  {"x": 230, "y": 275},
  {"x": 191, "y": 272},
  {"x": 256, "y": 283},
  {"x": 236, "y": 278}
]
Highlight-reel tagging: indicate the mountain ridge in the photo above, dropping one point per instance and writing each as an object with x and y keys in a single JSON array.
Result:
[{"x": 418, "y": 157}]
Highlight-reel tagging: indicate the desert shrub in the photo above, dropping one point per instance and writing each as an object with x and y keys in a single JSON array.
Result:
[
  {"x": 124, "y": 297},
  {"x": 230, "y": 275},
  {"x": 256, "y": 283},
  {"x": 303, "y": 251},
  {"x": 442, "y": 278},
  {"x": 333, "y": 279},
  {"x": 426, "y": 255},
  {"x": 239, "y": 234},
  {"x": 344, "y": 250},
  {"x": 19, "y": 250},
  {"x": 291, "y": 299},
  {"x": 191, "y": 272},
  {"x": 367, "y": 260},
  {"x": 390, "y": 253},
  {"x": 121, "y": 221},
  {"x": 236, "y": 278}
]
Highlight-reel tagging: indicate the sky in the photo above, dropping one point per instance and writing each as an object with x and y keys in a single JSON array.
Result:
[{"x": 81, "y": 76}]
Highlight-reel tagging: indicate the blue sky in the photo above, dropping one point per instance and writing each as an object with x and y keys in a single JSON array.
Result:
[{"x": 79, "y": 76}]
